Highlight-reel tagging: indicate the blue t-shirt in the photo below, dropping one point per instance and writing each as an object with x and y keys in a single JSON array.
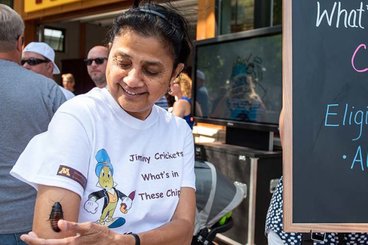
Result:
[
  {"x": 188, "y": 117},
  {"x": 162, "y": 102}
]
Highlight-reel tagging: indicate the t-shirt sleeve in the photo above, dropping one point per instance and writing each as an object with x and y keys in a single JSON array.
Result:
[
  {"x": 189, "y": 175},
  {"x": 58, "y": 157}
]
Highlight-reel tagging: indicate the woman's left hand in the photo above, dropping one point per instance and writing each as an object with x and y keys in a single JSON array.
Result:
[{"x": 87, "y": 233}]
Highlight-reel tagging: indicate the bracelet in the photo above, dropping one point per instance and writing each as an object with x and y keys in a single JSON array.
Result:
[{"x": 136, "y": 237}]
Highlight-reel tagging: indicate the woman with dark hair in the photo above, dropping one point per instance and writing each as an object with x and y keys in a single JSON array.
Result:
[{"x": 113, "y": 168}]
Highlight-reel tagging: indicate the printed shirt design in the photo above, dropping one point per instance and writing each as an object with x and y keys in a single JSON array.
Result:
[{"x": 111, "y": 195}]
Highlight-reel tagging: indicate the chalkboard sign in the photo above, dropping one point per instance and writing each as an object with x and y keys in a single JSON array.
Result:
[{"x": 325, "y": 76}]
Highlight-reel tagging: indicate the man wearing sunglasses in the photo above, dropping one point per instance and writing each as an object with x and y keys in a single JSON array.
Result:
[
  {"x": 96, "y": 65},
  {"x": 39, "y": 57},
  {"x": 28, "y": 102}
]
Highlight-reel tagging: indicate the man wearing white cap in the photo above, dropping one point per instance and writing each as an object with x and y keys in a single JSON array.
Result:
[
  {"x": 39, "y": 57},
  {"x": 28, "y": 102}
]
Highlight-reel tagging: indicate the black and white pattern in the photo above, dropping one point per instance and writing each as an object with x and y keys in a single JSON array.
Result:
[{"x": 274, "y": 222}]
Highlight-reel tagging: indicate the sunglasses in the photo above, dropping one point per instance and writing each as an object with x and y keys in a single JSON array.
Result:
[
  {"x": 33, "y": 61},
  {"x": 98, "y": 61}
]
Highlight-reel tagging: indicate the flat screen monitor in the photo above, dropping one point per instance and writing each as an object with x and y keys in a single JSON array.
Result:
[{"x": 237, "y": 79}]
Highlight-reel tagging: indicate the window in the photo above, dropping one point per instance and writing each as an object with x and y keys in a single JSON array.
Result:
[
  {"x": 54, "y": 37},
  {"x": 7, "y": 2},
  {"x": 242, "y": 15},
  {"x": 277, "y": 12}
]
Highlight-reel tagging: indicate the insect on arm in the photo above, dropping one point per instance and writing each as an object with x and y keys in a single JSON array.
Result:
[
  {"x": 52, "y": 204},
  {"x": 55, "y": 215}
]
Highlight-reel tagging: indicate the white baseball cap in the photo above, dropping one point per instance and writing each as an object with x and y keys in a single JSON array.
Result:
[{"x": 45, "y": 50}]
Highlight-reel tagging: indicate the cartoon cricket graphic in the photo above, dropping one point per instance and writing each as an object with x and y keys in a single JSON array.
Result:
[{"x": 105, "y": 173}]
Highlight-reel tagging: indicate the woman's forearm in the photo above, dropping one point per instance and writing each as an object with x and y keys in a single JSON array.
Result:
[{"x": 47, "y": 212}]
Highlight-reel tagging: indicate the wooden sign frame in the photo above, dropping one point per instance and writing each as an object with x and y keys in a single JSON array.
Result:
[{"x": 288, "y": 147}]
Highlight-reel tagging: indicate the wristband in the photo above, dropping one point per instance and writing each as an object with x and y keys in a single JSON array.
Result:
[{"x": 136, "y": 237}]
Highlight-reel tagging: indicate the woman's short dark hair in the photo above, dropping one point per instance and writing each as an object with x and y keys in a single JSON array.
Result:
[{"x": 150, "y": 19}]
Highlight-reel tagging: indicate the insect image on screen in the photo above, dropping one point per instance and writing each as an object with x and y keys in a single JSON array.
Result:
[{"x": 55, "y": 215}]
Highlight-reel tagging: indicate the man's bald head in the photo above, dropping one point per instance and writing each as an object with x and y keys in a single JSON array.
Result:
[{"x": 96, "y": 65}]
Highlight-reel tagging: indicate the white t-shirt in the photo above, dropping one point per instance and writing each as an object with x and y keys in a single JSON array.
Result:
[{"x": 92, "y": 145}]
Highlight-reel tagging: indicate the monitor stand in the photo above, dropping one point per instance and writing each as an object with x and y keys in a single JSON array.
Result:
[{"x": 256, "y": 139}]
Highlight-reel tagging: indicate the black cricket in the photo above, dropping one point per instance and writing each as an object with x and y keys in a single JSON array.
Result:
[{"x": 55, "y": 215}]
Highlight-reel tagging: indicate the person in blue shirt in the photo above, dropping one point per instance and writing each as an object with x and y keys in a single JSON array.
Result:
[
  {"x": 163, "y": 103},
  {"x": 181, "y": 88}
]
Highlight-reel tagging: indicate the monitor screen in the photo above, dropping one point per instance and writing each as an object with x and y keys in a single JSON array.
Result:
[{"x": 238, "y": 78}]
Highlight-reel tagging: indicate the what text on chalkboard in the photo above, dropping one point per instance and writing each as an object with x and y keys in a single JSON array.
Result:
[{"x": 339, "y": 16}]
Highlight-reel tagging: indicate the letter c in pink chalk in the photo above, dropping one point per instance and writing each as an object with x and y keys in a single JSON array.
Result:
[{"x": 353, "y": 58}]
